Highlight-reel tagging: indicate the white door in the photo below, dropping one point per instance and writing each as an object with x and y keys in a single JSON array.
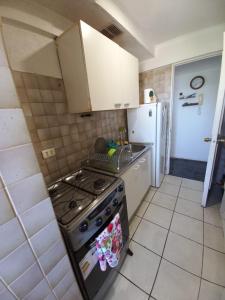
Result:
[{"x": 217, "y": 122}]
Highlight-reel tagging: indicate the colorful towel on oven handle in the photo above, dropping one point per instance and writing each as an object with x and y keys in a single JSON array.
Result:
[{"x": 109, "y": 244}]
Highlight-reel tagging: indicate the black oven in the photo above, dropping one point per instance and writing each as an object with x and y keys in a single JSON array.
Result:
[{"x": 93, "y": 282}]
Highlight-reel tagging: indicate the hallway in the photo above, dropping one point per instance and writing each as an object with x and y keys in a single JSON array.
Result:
[{"x": 178, "y": 247}]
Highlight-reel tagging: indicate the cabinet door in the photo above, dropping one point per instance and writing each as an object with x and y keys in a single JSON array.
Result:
[
  {"x": 102, "y": 64},
  {"x": 129, "y": 75},
  {"x": 145, "y": 173},
  {"x": 131, "y": 177}
]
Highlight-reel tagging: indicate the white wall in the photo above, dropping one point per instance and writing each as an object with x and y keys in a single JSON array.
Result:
[
  {"x": 190, "y": 127},
  {"x": 29, "y": 33},
  {"x": 35, "y": 15},
  {"x": 186, "y": 47},
  {"x": 31, "y": 51}
]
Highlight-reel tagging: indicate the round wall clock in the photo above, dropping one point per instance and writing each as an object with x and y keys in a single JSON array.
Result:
[{"x": 197, "y": 82}]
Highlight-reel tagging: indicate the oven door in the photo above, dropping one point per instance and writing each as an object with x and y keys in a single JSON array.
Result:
[{"x": 93, "y": 278}]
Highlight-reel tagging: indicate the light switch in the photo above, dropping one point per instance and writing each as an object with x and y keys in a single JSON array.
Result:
[{"x": 48, "y": 153}]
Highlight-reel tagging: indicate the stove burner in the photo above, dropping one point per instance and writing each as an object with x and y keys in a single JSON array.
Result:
[
  {"x": 72, "y": 204},
  {"x": 99, "y": 184},
  {"x": 80, "y": 176}
]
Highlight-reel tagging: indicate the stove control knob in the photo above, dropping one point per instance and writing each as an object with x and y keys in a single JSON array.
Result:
[
  {"x": 108, "y": 211},
  {"x": 115, "y": 202},
  {"x": 83, "y": 226},
  {"x": 120, "y": 188},
  {"x": 98, "y": 221}
]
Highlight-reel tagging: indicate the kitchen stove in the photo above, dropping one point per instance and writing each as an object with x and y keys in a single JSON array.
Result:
[
  {"x": 72, "y": 194},
  {"x": 85, "y": 202}
]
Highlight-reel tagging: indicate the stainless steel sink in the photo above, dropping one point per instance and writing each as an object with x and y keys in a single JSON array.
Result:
[
  {"x": 124, "y": 156},
  {"x": 137, "y": 148}
]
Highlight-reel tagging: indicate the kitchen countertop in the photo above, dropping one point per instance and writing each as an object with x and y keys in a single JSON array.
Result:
[{"x": 123, "y": 168}]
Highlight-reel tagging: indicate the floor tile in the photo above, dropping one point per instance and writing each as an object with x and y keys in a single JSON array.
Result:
[
  {"x": 150, "y": 195},
  {"x": 184, "y": 253},
  {"x": 189, "y": 208},
  {"x": 164, "y": 200},
  {"x": 169, "y": 189},
  {"x": 212, "y": 216},
  {"x": 214, "y": 266},
  {"x": 172, "y": 179},
  {"x": 214, "y": 237},
  {"x": 141, "y": 268},
  {"x": 192, "y": 195},
  {"x": 133, "y": 225},
  {"x": 124, "y": 289},
  {"x": 151, "y": 236},
  {"x": 192, "y": 184},
  {"x": 141, "y": 210},
  {"x": 188, "y": 227},
  {"x": 210, "y": 291},
  {"x": 159, "y": 215},
  {"x": 173, "y": 283}
]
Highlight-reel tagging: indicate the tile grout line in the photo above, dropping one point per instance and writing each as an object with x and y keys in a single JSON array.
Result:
[
  {"x": 142, "y": 216},
  {"x": 161, "y": 256},
  {"x": 29, "y": 243},
  {"x": 164, "y": 244},
  {"x": 134, "y": 284},
  {"x": 202, "y": 258},
  {"x": 172, "y": 263}
]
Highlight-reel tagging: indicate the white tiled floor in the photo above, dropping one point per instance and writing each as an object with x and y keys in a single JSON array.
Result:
[{"x": 178, "y": 247}]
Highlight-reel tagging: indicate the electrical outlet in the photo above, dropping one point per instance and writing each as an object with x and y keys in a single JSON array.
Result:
[{"x": 48, "y": 153}]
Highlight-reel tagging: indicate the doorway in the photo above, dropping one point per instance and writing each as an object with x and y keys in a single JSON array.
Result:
[{"x": 192, "y": 116}]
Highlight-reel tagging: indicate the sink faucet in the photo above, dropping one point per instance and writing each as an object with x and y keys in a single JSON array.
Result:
[{"x": 127, "y": 148}]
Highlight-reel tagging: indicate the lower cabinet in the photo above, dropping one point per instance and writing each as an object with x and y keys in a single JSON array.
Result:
[{"x": 137, "y": 181}]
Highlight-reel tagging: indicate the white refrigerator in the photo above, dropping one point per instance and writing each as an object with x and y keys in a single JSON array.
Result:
[{"x": 148, "y": 125}]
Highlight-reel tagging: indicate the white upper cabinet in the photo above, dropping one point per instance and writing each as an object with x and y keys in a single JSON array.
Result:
[
  {"x": 98, "y": 74},
  {"x": 129, "y": 79}
]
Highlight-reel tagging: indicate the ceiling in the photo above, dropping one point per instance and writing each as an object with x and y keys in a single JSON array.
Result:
[
  {"x": 162, "y": 20},
  {"x": 157, "y": 20},
  {"x": 94, "y": 15}
]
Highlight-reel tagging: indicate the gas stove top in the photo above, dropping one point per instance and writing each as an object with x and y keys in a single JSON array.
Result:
[
  {"x": 71, "y": 204},
  {"x": 89, "y": 181},
  {"x": 73, "y": 193}
]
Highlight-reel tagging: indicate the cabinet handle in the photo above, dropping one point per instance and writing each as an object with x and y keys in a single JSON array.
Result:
[
  {"x": 126, "y": 104},
  {"x": 117, "y": 105}
]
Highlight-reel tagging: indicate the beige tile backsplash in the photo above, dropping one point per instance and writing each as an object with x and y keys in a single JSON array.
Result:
[
  {"x": 44, "y": 105},
  {"x": 158, "y": 79}
]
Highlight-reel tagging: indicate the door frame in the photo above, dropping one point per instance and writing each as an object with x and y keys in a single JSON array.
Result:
[{"x": 171, "y": 110}]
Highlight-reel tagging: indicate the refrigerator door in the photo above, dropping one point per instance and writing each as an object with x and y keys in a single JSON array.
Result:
[
  {"x": 162, "y": 111},
  {"x": 142, "y": 129},
  {"x": 142, "y": 124}
]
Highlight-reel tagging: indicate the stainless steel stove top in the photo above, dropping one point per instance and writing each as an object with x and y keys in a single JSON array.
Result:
[
  {"x": 90, "y": 181},
  {"x": 72, "y": 194},
  {"x": 71, "y": 204}
]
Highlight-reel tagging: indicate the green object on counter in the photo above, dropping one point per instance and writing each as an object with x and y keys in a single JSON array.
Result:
[
  {"x": 111, "y": 152},
  {"x": 112, "y": 144}
]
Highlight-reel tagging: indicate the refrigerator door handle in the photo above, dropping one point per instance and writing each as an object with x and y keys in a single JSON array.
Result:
[{"x": 150, "y": 113}]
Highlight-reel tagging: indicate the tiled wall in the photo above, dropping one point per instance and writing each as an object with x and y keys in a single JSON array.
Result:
[
  {"x": 160, "y": 80},
  {"x": 44, "y": 105},
  {"x": 33, "y": 259}
]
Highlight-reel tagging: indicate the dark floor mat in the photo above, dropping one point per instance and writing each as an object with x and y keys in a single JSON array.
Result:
[{"x": 190, "y": 169}]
